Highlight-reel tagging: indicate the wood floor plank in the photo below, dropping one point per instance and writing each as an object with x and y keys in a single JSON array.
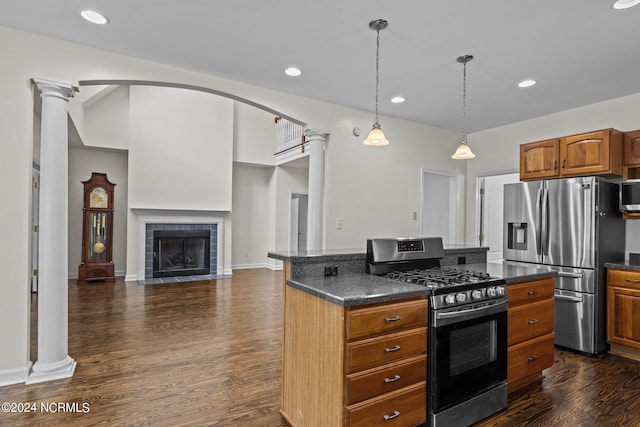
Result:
[{"x": 208, "y": 353}]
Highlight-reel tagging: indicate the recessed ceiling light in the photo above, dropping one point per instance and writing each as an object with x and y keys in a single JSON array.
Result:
[
  {"x": 94, "y": 17},
  {"x": 527, "y": 83},
  {"x": 624, "y": 4},
  {"x": 397, "y": 99},
  {"x": 293, "y": 71}
]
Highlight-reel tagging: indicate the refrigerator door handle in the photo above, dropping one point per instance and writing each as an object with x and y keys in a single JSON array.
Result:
[
  {"x": 544, "y": 228},
  {"x": 570, "y": 299},
  {"x": 539, "y": 222},
  {"x": 571, "y": 275}
]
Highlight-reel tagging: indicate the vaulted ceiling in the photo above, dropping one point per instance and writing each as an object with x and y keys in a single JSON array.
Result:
[{"x": 579, "y": 51}]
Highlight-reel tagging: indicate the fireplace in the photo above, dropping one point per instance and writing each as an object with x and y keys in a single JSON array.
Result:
[{"x": 181, "y": 253}]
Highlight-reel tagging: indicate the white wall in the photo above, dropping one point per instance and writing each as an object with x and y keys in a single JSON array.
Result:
[
  {"x": 254, "y": 135},
  {"x": 620, "y": 113},
  {"x": 250, "y": 214},
  {"x": 82, "y": 162}
]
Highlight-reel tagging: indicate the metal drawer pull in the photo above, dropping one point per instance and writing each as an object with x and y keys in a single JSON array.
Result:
[
  {"x": 570, "y": 275},
  {"x": 390, "y": 417},
  {"x": 392, "y": 349},
  {"x": 532, "y": 358},
  {"x": 392, "y": 319},
  {"x": 533, "y": 292},
  {"x": 392, "y": 380},
  {"x": 633, "y": 280},
  {"x": 533, "y": 321}
]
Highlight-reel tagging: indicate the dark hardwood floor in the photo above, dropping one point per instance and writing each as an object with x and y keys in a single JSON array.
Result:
[{"x": 208, "y": 353}]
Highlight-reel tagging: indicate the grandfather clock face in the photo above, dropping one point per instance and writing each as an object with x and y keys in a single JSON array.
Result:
[{"x": 98, "y": 198}]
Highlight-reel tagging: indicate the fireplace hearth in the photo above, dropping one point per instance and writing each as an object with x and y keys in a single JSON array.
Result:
[{"x": 181, "y": 253}]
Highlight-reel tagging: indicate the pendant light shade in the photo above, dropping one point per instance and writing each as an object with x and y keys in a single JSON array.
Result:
[
  {"x": 376, "y": 137},
  {"x": 464, "y": 151}
]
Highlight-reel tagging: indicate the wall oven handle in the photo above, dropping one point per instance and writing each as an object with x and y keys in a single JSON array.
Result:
[
  {"x": 392, "y": 319},
  {"x": 392, "y": 380},
  {"x": 566, "y": 298},
  {"x": 449, "y": 317},
  {"x": 571, "y": 275},
  {"x": 392, "y": 349},
  {"x": 390, "y": 417}
]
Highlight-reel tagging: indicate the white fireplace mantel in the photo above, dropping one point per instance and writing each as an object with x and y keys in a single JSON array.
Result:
[{"x": 175, "y": 216}]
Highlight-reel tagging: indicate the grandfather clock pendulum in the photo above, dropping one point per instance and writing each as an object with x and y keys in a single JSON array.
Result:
[{"x": 97, "y": 230}]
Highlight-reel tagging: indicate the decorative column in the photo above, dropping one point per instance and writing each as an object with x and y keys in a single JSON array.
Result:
[
  {"x": 53, "y": 337},
  {"x": 316, "y": 139}
]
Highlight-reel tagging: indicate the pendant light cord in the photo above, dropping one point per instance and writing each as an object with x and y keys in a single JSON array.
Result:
[
  {"x": 376, "y": 124},
  {"x": 464, "y": 101}
]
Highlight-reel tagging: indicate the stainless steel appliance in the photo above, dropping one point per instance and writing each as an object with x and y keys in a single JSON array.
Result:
[
  {"x": 571, "y": 226},
  {"x": 630, "y": 195},
  {"x": 467, "y": 334}
]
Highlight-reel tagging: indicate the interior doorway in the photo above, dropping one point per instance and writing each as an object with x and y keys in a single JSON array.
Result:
[
  {"x": 299, "y": 208},
  {"x": 490, "y": 212},
  {"x": 439, "y": 194}
]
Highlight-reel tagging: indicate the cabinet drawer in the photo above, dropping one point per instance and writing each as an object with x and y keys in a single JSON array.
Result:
[
  {"x": 529, "y": 321},
  {"x": 385, "y": 349},
  {"x": 404, "y": 408},
  {"x": 624, "y": 278},
  {"x": 523, "y": 293},
  {"x": 529, "y": 357},
  {"x": 373, "y": 382},
  {"x": 382, "y": 319}
]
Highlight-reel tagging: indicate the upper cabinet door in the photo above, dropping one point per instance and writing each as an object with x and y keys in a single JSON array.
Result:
[
  {"x": 539, "y": 160},
  {"x": 632, "y": 148},
  {"x": 593, "y": 153}
]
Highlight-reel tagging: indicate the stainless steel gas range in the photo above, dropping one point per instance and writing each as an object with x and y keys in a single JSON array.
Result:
[{"x": 467, "y": 334}]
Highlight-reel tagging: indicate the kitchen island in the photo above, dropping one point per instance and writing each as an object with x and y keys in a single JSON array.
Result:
[{"x": 334, "y": 324}]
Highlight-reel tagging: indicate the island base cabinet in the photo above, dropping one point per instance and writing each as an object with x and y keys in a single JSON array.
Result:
[
  {"x": 529, "y": 358},
  {"x": 403, "y": 408}
]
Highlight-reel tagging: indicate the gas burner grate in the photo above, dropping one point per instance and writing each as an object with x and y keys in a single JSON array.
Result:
[{"x": 439, "y": 277}]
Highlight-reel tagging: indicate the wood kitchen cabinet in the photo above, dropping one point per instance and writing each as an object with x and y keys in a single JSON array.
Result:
[
  {"x": 623, "y": 312},
  {"x": 539, "y": 160},
  {"x": 631, "y": 155},
  {"x": 592, "y": 153},
  {"x": 530, "y": 336},
  {"x": 353, "y": 366}
]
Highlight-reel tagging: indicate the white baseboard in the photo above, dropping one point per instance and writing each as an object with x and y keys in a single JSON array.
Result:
[
  {"x": 74, "y": 276},
  {"x": 15, "y": 376},
  {"x": 248, "y": 266}
]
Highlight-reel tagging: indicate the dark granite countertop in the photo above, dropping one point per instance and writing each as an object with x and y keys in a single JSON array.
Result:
[
  {"x": 355, "y": 254},
  {"x": 510, "y": 271},
  {"x": 622, "y": 265},
  {"x": 358, "y": 289},
  {"x": 362, "y": 289}
]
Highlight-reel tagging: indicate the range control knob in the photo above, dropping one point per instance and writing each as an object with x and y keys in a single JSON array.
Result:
[
  {"x": 476, "y": 295},
  {"x": 500, "y": 291},
  {"x": 491, "y": 292},
  {"x": 450, "y": 299},
  {"x": 461, "y": 297}
]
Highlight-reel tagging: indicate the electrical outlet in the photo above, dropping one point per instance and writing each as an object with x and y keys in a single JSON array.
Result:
[
  {"x": 331, "y": 271},
  {"x": 415, "y": 216},
  {"x": 339, "y": 223}
]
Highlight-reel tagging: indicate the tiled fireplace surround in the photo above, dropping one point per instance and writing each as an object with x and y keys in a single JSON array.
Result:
[{"x": 150, "y": 220}]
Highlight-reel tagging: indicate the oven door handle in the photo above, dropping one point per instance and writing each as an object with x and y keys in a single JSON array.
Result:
[{"x": 445, "y": 318}]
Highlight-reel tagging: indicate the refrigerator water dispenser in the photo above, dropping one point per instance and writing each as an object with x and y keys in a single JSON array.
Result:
[{"x": 517, "y": 235}]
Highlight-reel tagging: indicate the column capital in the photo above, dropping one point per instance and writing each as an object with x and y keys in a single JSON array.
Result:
[
  {"x": 63, "y": 90},
  {"x": 315, "y": 134}
]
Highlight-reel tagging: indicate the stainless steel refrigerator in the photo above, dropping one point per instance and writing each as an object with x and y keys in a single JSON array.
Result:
[{"x": 571, "y": 226}]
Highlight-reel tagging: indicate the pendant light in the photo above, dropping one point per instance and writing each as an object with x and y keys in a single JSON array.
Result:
[
  {"x": 376, "y": 137},
  {"x": 464, "y": 151}
]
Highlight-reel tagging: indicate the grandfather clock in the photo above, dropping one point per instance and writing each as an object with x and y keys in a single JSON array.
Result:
[{"x": 97, "y": 230}]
